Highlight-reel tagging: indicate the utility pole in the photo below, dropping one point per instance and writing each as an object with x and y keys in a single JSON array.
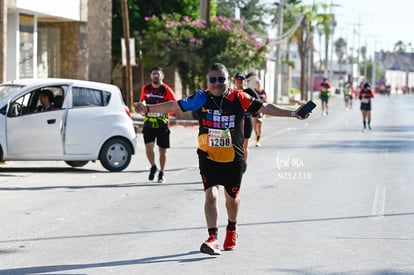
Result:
[
  {"x": 205, "y": 15},
  {"x": 359, "y": 48},
  {"x": 333, "y": 25},
  {"x": 374, "y": 63},
  {"x": 128, "y": 67},
  {"x": 205, "y": 11},
  {"x": 365, "y": 60},
  {"x": 356, "y": 30},
  {"x": 278, "y": 67}
]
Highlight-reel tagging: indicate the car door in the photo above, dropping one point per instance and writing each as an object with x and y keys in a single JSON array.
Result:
[
  {"x": 86, "y": 125},
  {"x": 31, "y": 134}
]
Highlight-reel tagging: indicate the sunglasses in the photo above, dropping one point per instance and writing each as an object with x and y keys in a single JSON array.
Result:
[{"x": 221, "y": 79}]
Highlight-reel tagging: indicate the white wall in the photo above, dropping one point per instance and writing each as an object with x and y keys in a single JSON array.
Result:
[
  {"x": 69, "y": 9},
  {"x": 397, "y": 79}
]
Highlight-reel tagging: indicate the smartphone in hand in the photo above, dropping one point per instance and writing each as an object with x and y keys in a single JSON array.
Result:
[{"x": 307, "y": 109}]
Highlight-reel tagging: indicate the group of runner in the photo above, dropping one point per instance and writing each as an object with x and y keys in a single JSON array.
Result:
[{"x": 364, "y": 94}]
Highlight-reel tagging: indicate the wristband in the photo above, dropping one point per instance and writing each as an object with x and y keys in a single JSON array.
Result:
[
  {"x": 148, "y": 110},
  {"x": 293, "y": 114}
]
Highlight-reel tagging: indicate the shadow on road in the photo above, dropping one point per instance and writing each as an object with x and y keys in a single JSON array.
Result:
[
  {"x": 178, "y": 229},
  {"x": 49, "y": 170},
  {"x": 370, "y": 146},
  {"x": 74, "y": 187},
  {"x": 180, "y": 258}
]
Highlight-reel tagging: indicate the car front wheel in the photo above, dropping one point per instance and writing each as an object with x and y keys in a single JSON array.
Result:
[{"x": 115, "y": 155}]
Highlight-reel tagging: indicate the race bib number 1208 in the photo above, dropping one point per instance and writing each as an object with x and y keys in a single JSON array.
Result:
[{"x": 219, "y": 138}]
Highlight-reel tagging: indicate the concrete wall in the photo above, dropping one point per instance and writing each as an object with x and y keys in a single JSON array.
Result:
[{"x": 99, "y": 40}]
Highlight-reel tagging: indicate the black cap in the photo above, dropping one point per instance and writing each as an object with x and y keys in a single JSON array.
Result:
[
  {"x": 367, "y": 85},
  {"x": 240, "y": 75}
]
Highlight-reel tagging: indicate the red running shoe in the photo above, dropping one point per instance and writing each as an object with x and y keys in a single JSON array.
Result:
[
  {"x": 230, "y": 242},
  {"x": 211, "y": 246}
]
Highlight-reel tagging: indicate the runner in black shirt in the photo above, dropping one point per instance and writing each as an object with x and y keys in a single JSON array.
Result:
[{"x": 220, "y": 150}]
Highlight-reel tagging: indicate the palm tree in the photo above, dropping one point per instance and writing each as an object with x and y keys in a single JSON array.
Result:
[
  {"x": 340, "y": 51},
  {"x": 399, "y": 47},
  {"x": 326, "y": 22},
  {"x": 306, "y": 48},
  {"x": 319, "y": 28}
]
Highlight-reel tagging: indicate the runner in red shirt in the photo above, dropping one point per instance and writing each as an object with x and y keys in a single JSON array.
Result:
[
  {"x": 156, "y": 124},
  {"x": 365, "y": 95}
]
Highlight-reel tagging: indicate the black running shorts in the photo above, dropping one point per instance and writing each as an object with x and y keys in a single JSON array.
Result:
[
  {"x": 366, "y": 106},
  {"x": 228, "y": 174},
  {"x": 162, "y": 135}
]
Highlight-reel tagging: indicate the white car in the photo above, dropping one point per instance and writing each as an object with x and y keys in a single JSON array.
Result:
[{"x": 88, "y": 121}]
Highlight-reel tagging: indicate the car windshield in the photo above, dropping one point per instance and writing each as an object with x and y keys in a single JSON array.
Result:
[{"x": 6, "y": 90}]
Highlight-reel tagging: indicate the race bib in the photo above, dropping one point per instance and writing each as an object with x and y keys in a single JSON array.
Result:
[
  {"x": 219, "y": 138},
  {"x": 152, "y": 114},
  {"x": 365, "y": 100}
]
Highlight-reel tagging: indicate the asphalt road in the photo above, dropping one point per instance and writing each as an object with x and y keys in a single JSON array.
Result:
[{"x": 319, "y": 197}]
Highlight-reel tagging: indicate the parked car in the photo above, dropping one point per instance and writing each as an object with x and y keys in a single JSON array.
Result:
[{"x": 89, "y": 121}]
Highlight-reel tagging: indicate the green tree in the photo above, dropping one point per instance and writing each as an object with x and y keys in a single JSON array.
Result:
[
  {"x": 226, "y": 8},
  {"x": 139, "y": 9},
  {"x": 251, "y": 11},
  {"x": 190, "y": 46}
]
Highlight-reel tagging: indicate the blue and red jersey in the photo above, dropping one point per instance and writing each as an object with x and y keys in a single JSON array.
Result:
[{"x": 220, "y": 136}]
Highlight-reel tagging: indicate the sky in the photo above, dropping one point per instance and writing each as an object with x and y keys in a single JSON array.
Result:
[
  {"x": 381, "y": 24},
  {"x": 377, "y": 24}
]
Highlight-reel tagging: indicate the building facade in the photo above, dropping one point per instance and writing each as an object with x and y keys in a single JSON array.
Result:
[{"x": 55, "y": 38}]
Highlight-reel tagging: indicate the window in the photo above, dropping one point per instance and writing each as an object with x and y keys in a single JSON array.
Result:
[
  {"x": 30, "y": 102},
  {"x": 86, "y": 97},
  {"x": 20, "y": 106},
  {"x": 58, "y": 96},
  {"x": 26, "y": 49}
]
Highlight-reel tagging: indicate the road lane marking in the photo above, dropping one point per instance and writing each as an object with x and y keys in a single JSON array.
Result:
[{"x": 378, "y": 206}]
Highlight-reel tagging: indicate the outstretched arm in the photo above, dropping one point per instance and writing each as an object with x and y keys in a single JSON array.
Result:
[
  {"x": 165, "y": 107},
  {"x": 193, "y": 102},
  {"x": 273, "y": 110}
]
